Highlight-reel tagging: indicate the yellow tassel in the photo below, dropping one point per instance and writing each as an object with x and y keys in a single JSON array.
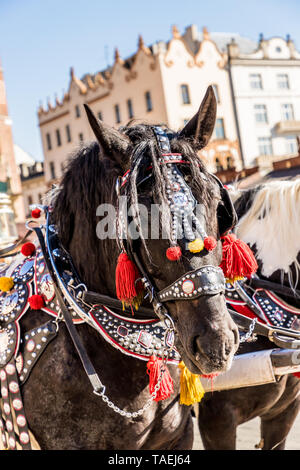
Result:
[
  {"x": 136, "y": 301},
  {"x": 6, "y": 283},
  {"x": 196, "y": 246},
  {"x": 236, "y": 278},
  {"x": 191, "y": 389}
]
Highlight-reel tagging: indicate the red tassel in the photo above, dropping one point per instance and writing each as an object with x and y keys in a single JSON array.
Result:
[
  {"x": 173, "y": 253},
  {"x": 210, "y": 243},
  {"x": 28, "y": 249},
  {"x": 238, "y": 260},
  {"x": 36, "y": 302},
  {"x": 297, "y": 374},
  {"x": 126, "y": 275},
  {"x": 154, "y": 366},
  {"x": 36, "y": 213}
]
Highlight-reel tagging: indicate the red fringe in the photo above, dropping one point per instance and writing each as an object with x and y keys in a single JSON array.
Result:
[
  {"x": 238, "y": 260},
  {"x": 166, "y": 386},
  {"x": 297, "y": 374},
  {"x": 126, "y": 276}
]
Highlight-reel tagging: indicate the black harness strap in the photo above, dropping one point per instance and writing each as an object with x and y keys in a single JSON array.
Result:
[
  {"x": 279, "y": 288},
  {"x": 88, "y": 366}
]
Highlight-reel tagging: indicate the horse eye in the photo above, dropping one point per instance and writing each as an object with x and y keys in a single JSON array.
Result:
[{"x": 188, "y": 179}]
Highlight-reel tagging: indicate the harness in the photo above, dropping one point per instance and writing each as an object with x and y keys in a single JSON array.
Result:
[{"x": 51, "y": 273}]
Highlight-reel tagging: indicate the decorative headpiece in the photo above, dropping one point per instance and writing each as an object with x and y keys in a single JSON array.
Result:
[{"x": 181, "y": 203}]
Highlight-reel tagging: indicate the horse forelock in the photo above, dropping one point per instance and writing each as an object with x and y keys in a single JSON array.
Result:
[
  {"x": 272, "y": 224},
  {"x": 143, "y": 153}
]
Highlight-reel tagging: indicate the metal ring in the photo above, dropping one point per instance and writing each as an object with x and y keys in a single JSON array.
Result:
[{"x": 30, "y": 221}]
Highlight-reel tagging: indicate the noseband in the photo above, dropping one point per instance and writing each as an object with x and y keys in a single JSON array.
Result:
[{"x": 206, "y": 280}]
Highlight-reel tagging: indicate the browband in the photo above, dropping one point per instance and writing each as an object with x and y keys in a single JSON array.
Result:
[{"x": 207, "y": 280}]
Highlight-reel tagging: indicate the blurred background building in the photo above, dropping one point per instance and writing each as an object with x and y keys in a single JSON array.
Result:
[
  {"x": 256, "y": 86},
  {"x": 12, "y": 211}
]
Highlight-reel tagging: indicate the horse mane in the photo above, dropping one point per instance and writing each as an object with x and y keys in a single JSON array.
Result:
[{"x": 272, "y": 223}]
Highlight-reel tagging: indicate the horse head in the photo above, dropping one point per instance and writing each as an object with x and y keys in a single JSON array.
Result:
[{"x": 161, "y": 168}]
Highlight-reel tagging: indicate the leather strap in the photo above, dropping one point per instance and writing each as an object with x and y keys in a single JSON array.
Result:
[
  {"x": 279, "y": 288},
  {"x": 88, "y": 366}
]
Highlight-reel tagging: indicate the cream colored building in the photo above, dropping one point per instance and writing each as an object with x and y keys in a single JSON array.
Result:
[
  {"x": 10, "y": 182},
  {"x": 164, "y": 83},
  {"x": 32, "y": 177}
]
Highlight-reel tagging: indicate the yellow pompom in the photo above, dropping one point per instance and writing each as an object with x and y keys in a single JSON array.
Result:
[
  {"x": 191, "y": 389},
  {"x": 6, "y": 283},
  {"x": 196, "y": 246}
]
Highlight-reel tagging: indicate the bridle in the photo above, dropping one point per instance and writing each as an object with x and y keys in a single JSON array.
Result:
[{"x": 206, "y": 280}]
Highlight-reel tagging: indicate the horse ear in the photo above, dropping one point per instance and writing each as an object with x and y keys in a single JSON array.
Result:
[
  {"x": 112, "y": 142},
  {"x": 201, "y": 126}
]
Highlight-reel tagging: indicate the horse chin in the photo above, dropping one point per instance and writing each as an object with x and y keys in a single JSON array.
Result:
[{"x": 202, "y": 365}]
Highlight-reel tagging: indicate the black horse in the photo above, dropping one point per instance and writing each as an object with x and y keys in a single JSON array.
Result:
[
  {"x": 277, "y": 404},
  {"x": 61, "y": 410}
]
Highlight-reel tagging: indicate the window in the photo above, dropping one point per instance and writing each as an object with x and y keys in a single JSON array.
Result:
[
  {"x": 219, "y": 166},
  {"x": 100, "y": 116},
  {"x": 260, "y": 113},
  {"x": 130, "y": 109},
  {"x": 255, "y": 81},
  {"x": 265, "y": 146},
  {"x": 287, "y": 111},
  {"x": 185, "y": 94},
  {"x": 283, "y": 81},
  {"x": 148, "y": 101},
  {"x": 216, "y": 90},
  {"x": 117, "y": 113},
  {"x": 29, "y": 200},
  {"x": 48, "y": 139},
  {"x": 52, "y": 170},
  {"x": 40, "y": 197},
  {"x": 291, "y": 145},
  {"x": 68, "y": 133},
  {"x": 58, "y": 139},
  {"x": 219, "y": 129},
  {"x": 80, "y": 135},
  {"x": 77, "y": 111},
  {"x": 230, "y": 162}
]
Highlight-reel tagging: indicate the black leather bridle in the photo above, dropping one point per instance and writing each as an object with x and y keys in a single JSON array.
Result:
[{"x": 206, "y": 280}]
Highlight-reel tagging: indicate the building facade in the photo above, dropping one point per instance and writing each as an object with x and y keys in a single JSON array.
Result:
[
  {"x": 256, "y": 86},
  {"x": 10, "y": 182},
  {"x": 164, "y": 83},
  {"x": 265, "y": 85}
]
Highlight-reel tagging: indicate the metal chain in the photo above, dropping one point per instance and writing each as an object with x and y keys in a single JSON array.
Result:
[
  {"x": 134, "y": 414},
  {"x": 248, "y": 335},
  {"x": 165, "y": 355}
]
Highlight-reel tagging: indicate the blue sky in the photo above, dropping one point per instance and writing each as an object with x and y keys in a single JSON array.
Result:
[{"x": 41, "y": 39}]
